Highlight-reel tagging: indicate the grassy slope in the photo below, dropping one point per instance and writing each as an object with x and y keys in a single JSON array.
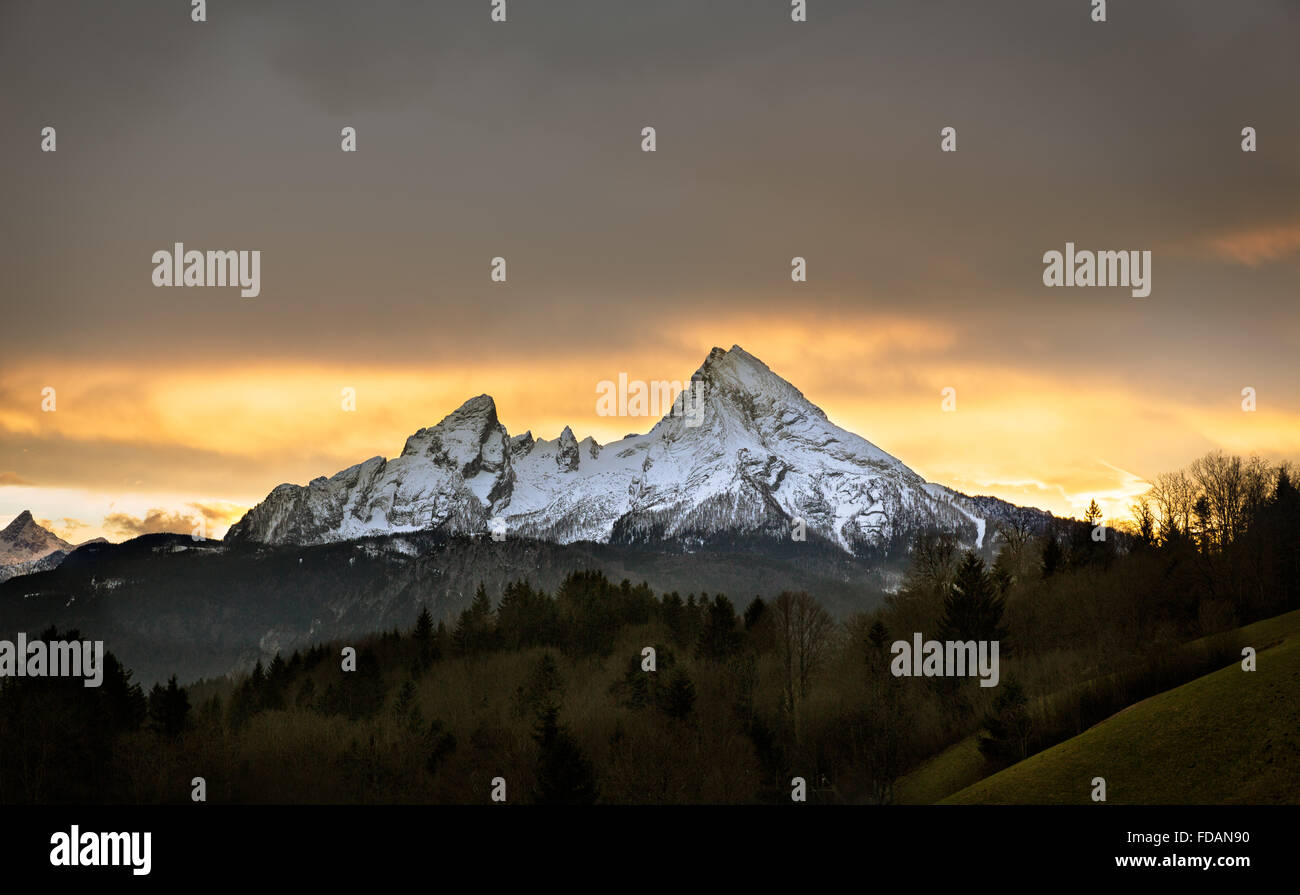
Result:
[
  {"x": 958, "y": 766},
  {"x": 1227, "y": 737}
]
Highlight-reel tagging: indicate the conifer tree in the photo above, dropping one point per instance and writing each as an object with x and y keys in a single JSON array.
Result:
[
  {"x": 475, "y": 629},
  {"x": 410, "y": 721},
  {"x": 543, "y": 686},
  {"x": 678, "y": 699},
  {"x": 1053, "y": 558},
  {"x": 673, "y": 611},
  {"x": 1008, "y": 725},
  {"x": 422, "y": 635},
  {"x": 720, "y": 637},
  {"x": 1092, "y": 514},
  {"x": 878, "y": 636},
  {"x": 439, "y": 743},
  {"x": 442, "y": 640},
  {"x": 277, "y": 677},
  {"x": 169, "y": 708},
  {"x": 972, "y": 609},
  {"x": 564, "y": 774}
]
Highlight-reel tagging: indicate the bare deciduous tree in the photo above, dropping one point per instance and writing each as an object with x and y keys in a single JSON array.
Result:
[
  {"x": 1215, "y": 497},
  {"x": 1174, "y": 496},
  {"x": 803, "y": 630},
  {"x": 1017, "y": 558}
]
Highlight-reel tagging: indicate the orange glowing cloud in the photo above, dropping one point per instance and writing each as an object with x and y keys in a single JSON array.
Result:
[
  {"x": 1257, "y": 246},
  {"x": 209, "y": 519},
  {"x": 192, "y": 443}
]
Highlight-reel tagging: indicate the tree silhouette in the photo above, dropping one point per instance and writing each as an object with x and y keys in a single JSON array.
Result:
[
  {"x": 972, "y": 609},
  {"x": 426, "y": 648},
  {"x": 169, "y": 708},
  {"x": 564, "y": 775},
  {"x": 1008, "y": 725}
]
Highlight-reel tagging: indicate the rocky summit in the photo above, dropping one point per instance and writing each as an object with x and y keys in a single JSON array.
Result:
[{"x": 760, "y": 460}]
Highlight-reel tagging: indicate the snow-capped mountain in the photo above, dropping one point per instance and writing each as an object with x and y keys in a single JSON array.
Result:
[
  {"x": 26, "y": 547},
  {"x": 757, "y": 459},
  {"x": 24, "y": 540}
]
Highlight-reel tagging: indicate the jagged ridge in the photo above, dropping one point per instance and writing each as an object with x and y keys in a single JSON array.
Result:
[{"x": 760, "y": 457}]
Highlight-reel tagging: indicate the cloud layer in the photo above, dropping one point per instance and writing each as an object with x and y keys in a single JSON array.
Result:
[{"x": 522, "y": 140}]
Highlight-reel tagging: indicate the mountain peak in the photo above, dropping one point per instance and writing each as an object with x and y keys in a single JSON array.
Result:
[
  {"x": 24, "y": 525},
  {"x": 740, "y": 378},
  {"x": 479, "y": 404},
  {"x": 24, "y": 539},
  {"x": 747, "y": 454},
  {"x": 738, "y": 360},
  {"x": 481, "y": 407},
  {"x": 469, "y": 425},
  {"x": 22, "y": 520},
  {"x": 566, "y": 456},
  {"x": 473, "y": 412}
]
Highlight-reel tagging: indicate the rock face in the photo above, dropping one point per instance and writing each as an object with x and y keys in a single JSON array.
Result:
[
  {"x": 23, "y": 540},
  {"x": 759, "y": 457},
  {"x": 25, "y": 547}
]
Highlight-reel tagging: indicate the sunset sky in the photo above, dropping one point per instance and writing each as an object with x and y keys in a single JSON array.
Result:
[{"x": 523, "y": 140}]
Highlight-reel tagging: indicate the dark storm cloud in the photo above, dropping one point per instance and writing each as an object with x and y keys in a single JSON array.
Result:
[{"x": 522, "y": 140}]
